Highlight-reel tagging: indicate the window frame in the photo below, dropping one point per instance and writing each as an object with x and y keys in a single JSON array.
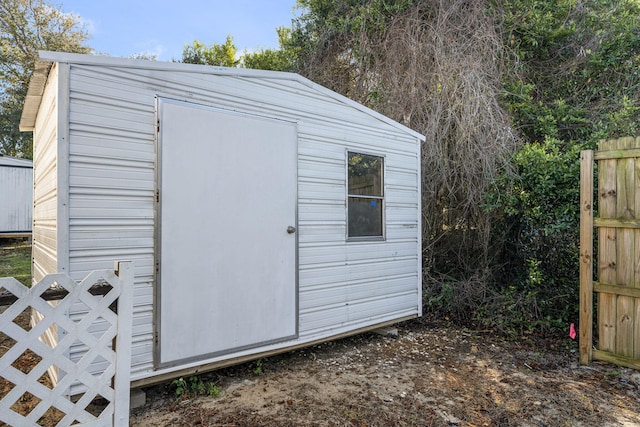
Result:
[{"x": 381, "y": 198}]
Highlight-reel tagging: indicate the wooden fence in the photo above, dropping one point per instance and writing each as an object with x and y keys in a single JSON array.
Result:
[
  {"x": 617, "y": 286},
  {"x": 112, "y": 385}
]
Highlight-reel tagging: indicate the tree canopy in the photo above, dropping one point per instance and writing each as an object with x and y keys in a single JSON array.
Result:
[
  {"x": 223, "y": 55},
  {"x": 281, "y": 59},
  {"x": 578, "y": 68},
  {"x": 226, "y": 55},
  {"x": 27, "y": 26},
  {"x": 577, "y": 81}
]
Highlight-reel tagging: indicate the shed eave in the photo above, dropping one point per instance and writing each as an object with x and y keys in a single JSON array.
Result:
[
  {"x": 34, "y": 95},
  {"x": 15, "y": 161},
  {"x": 108, "y": 61}
]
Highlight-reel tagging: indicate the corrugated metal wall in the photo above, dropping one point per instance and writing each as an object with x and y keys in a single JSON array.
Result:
[
  {"x": 343, "y": 285},
  {"x": 44, "y": 247},
  {"x": 16, "y": 196},
  {"x": 45, "y": 196},
  {"x": 112, "y": 189}
]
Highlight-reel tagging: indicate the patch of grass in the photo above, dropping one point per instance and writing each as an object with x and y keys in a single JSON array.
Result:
[{"x": 15, "y": 261}]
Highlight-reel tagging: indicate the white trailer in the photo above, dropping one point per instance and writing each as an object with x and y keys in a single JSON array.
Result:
[
  {"x": 263, "y": 212},
  {"x": 16, "y": 196}
]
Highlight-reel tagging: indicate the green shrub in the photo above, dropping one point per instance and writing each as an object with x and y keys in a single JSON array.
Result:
[
  {"x": 536, "y": 282},
  {"x": 194, "y": 386}
]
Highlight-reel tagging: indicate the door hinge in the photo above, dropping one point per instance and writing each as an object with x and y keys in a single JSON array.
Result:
[
  {"x": 157, "y": 196},
  {"x": 158, "y": 126}
]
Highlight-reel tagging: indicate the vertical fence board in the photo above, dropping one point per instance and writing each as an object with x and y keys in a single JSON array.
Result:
[
  {"x": 618, "y": 264},
  {"x": 636, "y": 325},
  {"x": 625, "y": 209},
  {"x": 607, "y": 269},
  {"x": 624, "y": 326},
  {"x": 636, "y": 232},
  {"x": 586, "y": 255}
]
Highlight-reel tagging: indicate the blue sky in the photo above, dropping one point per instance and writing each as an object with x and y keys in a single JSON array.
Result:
[{"x": 163, "y": 27}]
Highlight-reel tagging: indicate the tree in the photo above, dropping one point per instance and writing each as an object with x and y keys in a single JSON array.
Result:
[
  {"x": 578, "y": 64},
  {"x": 226, "y": 55},
  {"x": 577, "y": 83},
  {"x": 223, "y": 55},
  {"x": 438, "y": 67},
  {"x": 27, "y": 26},
  {"x": 281, "y": 59}
]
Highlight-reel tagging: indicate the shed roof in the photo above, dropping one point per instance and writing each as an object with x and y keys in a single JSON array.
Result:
[
  {"x": 16, "y": 162},
  {"x": 47, "y": 58}
]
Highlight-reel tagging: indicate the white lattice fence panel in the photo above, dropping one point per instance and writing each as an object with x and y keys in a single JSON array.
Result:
[{"x": 112, "y": 384}]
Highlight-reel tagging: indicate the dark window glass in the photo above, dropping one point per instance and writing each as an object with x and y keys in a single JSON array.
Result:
[
  {"x": 365, "y": 217},
  {"x": 365, "y": 203}
]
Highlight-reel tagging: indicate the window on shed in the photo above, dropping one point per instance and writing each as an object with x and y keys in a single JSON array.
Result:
[{"x": 365, "y": 195}]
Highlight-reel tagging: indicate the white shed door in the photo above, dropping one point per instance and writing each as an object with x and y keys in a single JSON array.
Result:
[{"x": 227, "y": 258}]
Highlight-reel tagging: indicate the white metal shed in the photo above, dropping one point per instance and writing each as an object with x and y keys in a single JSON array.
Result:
[
  {"x": 263, "y": 212},
  {"x": 16, "y": 196}
]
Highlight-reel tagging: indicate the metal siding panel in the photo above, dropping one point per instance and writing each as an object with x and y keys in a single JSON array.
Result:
[
  {"x": 44, "y": 192},
  {"x": 295, "y": 100},
  {"x": 349, "y": 282},
  {"x": 112, "y": 189},
  {"x": 352, "y": 283},
  {"x": 371, "y": 269},
  {"x": 401, "y": 196},
  {"x": 94, "y": 261},
  {"x": 45, "y": 146},
  {"x": 320, "y": 190},
  {"x": 322, "y": 168},
  {"x": 364, "y": 138},
  {"x": 16, "y": 199},
  {"x": 402, "y": 232},
  {"x": 112, "y": 158},
  {"x": 319, "y": 233},
  {"x": 314, "y": 255},
  {"x": 400, "y": 179},
  {"x": 110, "y": 177},
  {"x": 322, "y": 213},
  {"x": 344, "y": 293},
  {"x": 90, "y": 112},
  {"x": 15, "y": 162},
  {"x": 105, "y": 148},
  {"x": 358, "y": 314},
  {"x": 404, "y": 215}
]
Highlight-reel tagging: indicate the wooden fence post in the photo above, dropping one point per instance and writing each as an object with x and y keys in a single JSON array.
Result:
[{"x": 586, "y": 256}]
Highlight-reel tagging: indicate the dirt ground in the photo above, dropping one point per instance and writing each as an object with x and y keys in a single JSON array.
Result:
[{"x": 431, "y": 374}]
